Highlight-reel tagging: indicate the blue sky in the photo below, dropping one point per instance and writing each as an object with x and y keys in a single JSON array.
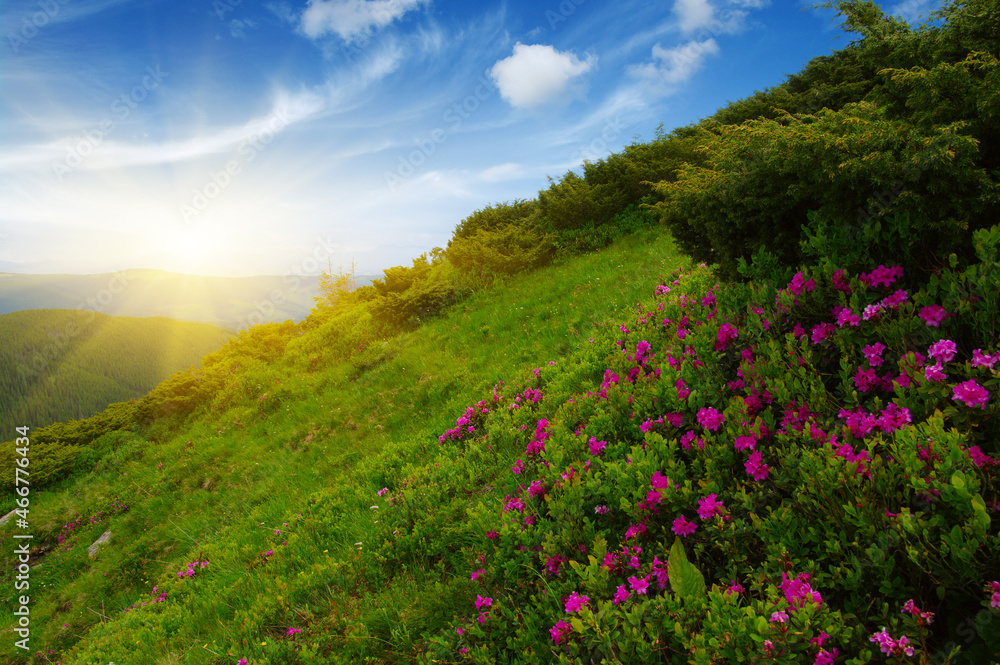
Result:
[{"x": 230, "y": 137}]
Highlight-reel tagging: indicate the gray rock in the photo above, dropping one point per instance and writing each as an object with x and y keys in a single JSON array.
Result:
[
  {"x": 93, "y": 549},
  {"x": 6, "y": 518}
]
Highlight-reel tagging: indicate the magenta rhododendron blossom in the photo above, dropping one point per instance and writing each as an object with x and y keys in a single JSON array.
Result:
[
  {"x": 596, "y": 447},
  {"x": 727, "y": 333},
  {"x": 745, "y": 442},
  {"x": 682, "y": 527},
  {"x": 933, "y": 315},
  {"x": 575, "y": 602},
  {"x": 639, "y": 584},
  {"x": 971, "y": 394},
  {"x": 979, "y": 359},
  {"x": 845, "y": 317},
  {"x": 709, "y": 506},
  {"x": 825, "y": 657},
  {"x": 873, "y": 353},
  {"x": 881, "y": 276},
  {"x": 821, "y": 331},
  {"x": 934, "y": 373},
  {"x": 476, "y": 574},
  {"x": 682, "y": 389},
  {"x": 621, "y": 594},
  {"x": 755, "y": 466},
  {"x": 560, "y": 631},
  {"x": 779, "y": 617},
  {"x": 709, "y": 418},
  {"x": 942, "y": 350},
  {"x": 482, "y": 602},
  {"x": 798, "y": 592},
  {"x": 840, "y": 282}
]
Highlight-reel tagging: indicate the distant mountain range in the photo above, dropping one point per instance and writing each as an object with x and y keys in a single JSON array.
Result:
[
  {"x": 57, "y": 365},
  {"x": 233, "y": 303}
]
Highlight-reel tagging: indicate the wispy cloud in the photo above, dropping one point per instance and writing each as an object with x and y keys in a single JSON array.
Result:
[
  {"x": 350, "y": 19},
  {"x": 675, "y": 65},
  {"x": 287, "y": 109},
  {"x": 18, "y": 14},
  {"x": 238, "y": 29}
]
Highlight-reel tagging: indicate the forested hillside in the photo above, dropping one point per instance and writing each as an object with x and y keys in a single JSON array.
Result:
[
  {"x": 58, "y": 364},
  {"x": 728, "y": 396}
]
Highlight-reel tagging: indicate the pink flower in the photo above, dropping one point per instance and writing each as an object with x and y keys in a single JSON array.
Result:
[
  {"x": 847, "y": 317},
  {"x": 518, "y": 467},
  {"x": 873, "y": 353},
  {"x": 682, "y": 389},
  {"x": 575, "y": 603},
  {"x": 824, "y": 657},
  {"x": 942, "y": 350},
  {"x": 241, "y": 661},
  {"x": 735, "y": 587},
  {"x": 971, "y": 393},
  {"x": 476, "y": 574},
  {"x": 885, "y": 642},
  {"x": 709, "y": 418},
  {"x": 708, "y": 507},
  {"x": 840, "y": 282},
  {"x": 934, "y": 374},
  {"x": 597, "y": 447},
  {"x": 984, "y": 360},
  {"x": 779, "y": 617},
  {"x": 560, "y": 631},
  {"x": 755, "y": 466},
  {"x": 682, "y": 527},
  {"x": 933, "y": 315},
  {"x": 798, "y": 592},
  {"x": 821, "y": 331},
  {"x": 639, "y": 584},
  {"x": 293, "y": 631},
  {"x": 881, "y": 276},
  {"x": 621, "y": 594},
  {"x": 727, "y": 333}
]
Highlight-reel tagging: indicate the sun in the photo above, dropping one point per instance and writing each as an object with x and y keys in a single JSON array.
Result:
[{"x": 190, "y": 250}]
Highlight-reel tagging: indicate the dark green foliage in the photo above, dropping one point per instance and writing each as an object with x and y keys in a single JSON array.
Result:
[
  {"x": 852, "y": 165},
  {"x": 493, "y": 217}
]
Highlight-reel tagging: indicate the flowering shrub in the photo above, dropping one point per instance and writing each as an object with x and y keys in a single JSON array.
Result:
[{"x": 835, "y": 475}]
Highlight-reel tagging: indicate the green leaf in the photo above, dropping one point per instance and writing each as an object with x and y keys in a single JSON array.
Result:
[
  {"x": 686, "y": 580},
  {"x": 982, "y": 517}
]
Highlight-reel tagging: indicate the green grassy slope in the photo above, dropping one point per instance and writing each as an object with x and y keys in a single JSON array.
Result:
[
  {"x": 221, "y": 487},
  {"x": 57, "y": 365}
]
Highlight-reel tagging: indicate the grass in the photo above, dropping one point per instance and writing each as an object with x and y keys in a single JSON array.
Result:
[{"x": 286, "y": 440}]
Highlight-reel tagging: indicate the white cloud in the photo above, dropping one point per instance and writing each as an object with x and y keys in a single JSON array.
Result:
[
  {"x": 501, "y": 172},
  {"x": 675, "y": 65},
  {"x": 701, "y": 15},
  {"x": 537, "y": 74},
  {"x": 693, "y": 14},
  {"x": 352, "y": 18}
]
